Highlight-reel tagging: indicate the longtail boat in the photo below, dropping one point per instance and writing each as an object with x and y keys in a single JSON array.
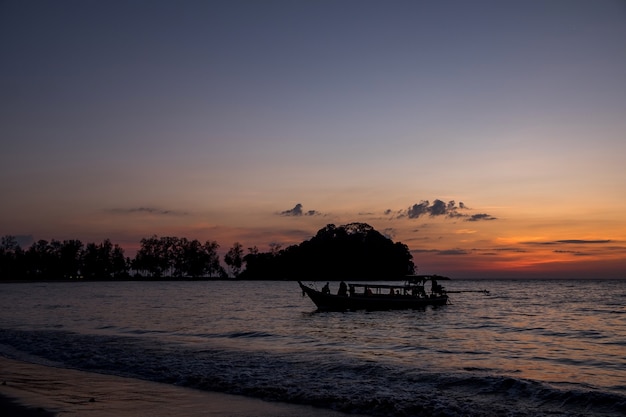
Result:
[{"x": 370, "y": 296}]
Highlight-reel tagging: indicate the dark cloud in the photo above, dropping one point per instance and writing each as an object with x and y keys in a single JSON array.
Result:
[
  {"x": 148, "y": 210},
  {"x": 439, "y": 208},
  {"x": 583, "y": 242},
  {"x": 452, "y": 252},
  {"x": 570, "y": 242},
  {"x": 497, "y": 251},
  {"x": 424, "y": 251},
  {"x": 297, "y": 211},
  {"x": 418, "y": 210},
  {"x": 478, "y": 217},
  {"x": 572, "y": 252},
  {"x": 518, "y": 250},
  {"x": 442, "y": 251}
]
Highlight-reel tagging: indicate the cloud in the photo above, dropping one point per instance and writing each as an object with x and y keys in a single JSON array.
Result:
[
  {"x": 496, "y": 251},
  {"x": 424, "y": 251},
  {"x": 148, "y": 210},
  {"x": 439, "y": 208},
  {"x": 478, "y": 217},
  {"x": 442, "y": 251},
  {"x": 571, "y": 242},
  {"x": 518, "y": 250},
  {"x": 573, "y": 252},
  {"x": 297, "y": 211},
  {"x": 417, "y": 210},
  {"x": 452, "y": 252},
  {"x": 583, "y": 242}
]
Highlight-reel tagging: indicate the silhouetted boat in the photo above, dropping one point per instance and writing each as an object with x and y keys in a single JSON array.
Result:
[{"x": 411, "y": 295}]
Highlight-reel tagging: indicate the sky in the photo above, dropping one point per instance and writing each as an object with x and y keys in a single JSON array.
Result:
[{"x": 488, "y": 136}]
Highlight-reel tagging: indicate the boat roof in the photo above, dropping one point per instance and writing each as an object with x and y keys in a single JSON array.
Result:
[
  {"x": 379, "y": 286},
  {"x": 412, "y": 280}
]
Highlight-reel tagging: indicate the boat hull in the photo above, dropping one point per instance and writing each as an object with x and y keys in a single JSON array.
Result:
[{"x": 332, "y": 302}]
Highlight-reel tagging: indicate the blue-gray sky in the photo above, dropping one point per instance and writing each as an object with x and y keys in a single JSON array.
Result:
[{"x": 212, "y": 119}]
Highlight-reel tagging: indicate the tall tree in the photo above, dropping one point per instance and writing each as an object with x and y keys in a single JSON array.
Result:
[
  {"x": 212, "y": 258},
  {"x": 39, "y": 259},
  {"x": 234, "y": 258},
  {"x": 149, "y": 258},
  {"x": 11, "y": 255},
  {"x": 120, "y": 264},
  {"x": 70, "y": 255}
]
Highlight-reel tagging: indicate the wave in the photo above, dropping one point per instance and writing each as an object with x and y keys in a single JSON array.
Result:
[
  {"x": 339, "y": 381},
  {"x": 235, "y": 335}
]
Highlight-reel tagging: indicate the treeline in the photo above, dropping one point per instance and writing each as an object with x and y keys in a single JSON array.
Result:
[
  {"x": 354, "y": 250},
  {"x": 157, "y": 258}
]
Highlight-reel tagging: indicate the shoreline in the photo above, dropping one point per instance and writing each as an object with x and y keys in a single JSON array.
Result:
[
  {"x": 12, "y": 407},
  {"x": 31, "y": 390}
]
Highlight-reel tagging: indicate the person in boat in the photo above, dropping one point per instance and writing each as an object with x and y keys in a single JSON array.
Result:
[
  {"x": 418, "y": 291},
  {"x": 343, "y": 289},
  {"x": 326, "y": 289},
  {"x": 437, "y": 289}
]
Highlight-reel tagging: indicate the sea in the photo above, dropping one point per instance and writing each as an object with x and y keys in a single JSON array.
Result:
[{"x": 529, "y": 348}]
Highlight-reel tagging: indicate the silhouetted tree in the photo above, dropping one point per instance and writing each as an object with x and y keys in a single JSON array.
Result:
[
  {"x": 11, "y": 259},
  {"x": 150, "y": 258},
  {"x": 71, "y": 258},
  {"x": 39, "y": 260},
  {"x": 177, "y": 257},
  {"x": 191, "y": 259},
  {"x": 260, "y": 265},
  {"x": 234, "y": 258},
  {"x": 120, "y": 264},
  {"x": 213, "y": 260},
  {"x": 104, "y": 261},
  {"x": 352, "y": 251},
  {"x": 197, "y": 259}
]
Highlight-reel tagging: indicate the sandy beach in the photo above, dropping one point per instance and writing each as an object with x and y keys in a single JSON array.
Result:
[{"x": 44, "y": 391}]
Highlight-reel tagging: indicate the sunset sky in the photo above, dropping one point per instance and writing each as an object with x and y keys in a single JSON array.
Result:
[{"x": 488, "y": 136}]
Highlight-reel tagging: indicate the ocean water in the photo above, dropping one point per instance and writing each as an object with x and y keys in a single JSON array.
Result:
[{"x": 530, "y": 348}]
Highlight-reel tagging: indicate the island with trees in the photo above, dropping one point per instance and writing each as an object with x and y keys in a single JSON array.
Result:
[{"x": 351, "y": 251}]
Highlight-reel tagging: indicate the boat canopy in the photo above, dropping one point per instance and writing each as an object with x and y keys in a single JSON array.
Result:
[
  {"x": 411, "y": 281},
  {"x": 387, "y": 286},
  {"x": 423, "y": 278}
]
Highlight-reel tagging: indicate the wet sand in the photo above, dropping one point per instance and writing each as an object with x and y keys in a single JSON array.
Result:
[{"x": 29, "y": 390}]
